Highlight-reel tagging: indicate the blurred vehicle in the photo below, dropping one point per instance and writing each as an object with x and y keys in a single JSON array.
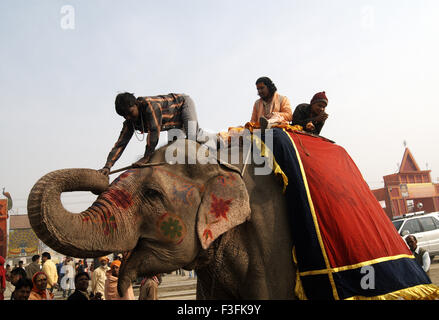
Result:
[{"x": 424, "y": 226}]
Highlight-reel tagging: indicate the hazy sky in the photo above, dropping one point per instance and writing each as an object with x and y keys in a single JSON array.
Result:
[{"x": 63, "y": 63}]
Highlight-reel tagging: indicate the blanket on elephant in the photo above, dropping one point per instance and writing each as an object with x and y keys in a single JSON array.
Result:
[{"x": 345, "y": 245}]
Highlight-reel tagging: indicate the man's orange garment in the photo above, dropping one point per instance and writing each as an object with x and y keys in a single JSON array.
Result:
[{"x": 278, "y": 111}]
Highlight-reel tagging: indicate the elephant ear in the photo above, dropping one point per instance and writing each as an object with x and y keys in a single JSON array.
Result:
[{"x": 225, "y": 204}]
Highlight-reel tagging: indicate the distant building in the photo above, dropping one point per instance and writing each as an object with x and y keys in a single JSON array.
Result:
[
  {"x": 409, "y": 190},
  {"x": 23, "y": 241}
]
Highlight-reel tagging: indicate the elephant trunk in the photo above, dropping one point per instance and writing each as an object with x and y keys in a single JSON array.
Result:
[{"x": 101, "y": 229}]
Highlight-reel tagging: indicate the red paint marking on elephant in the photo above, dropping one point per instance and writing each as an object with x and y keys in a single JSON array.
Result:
[
  {"x": 219, "y": 207},
  {"x": 122, "y": 176},
  {"x": 107, "y": 218},
  {"x": 207, "y": 234},
  {"x": 100, "y": 213},
  {"x": 120, "y": 198},
  {"x": 90, "y": 215}
]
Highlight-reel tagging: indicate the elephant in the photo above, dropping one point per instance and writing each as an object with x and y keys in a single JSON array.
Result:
[{"x": 228, "y": 224}]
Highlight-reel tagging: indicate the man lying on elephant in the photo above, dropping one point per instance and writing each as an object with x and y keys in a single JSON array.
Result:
[
  {"x": 152, "y": 115},
  {"x": 312, "y": 116}
]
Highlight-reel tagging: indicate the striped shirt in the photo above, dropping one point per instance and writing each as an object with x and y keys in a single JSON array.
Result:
[{"x": 158, "y": 113}]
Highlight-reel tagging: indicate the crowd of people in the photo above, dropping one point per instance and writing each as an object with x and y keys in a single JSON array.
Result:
[{"x": 77, "y": 281}]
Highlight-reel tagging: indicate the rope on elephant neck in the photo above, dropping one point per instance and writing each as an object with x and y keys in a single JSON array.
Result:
[
  {"x": 301, "y": 144},
  {"x": 143, "y": 127},
  {"x": 140, "y": 166}
]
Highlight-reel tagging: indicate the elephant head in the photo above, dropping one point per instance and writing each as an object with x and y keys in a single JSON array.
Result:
[{"x": 163, "y": 215}]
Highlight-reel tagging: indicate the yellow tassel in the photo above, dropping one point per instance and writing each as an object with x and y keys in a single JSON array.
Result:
[
  {"x": 419, "y": 292},
  {"x": 298, "y": 289}
]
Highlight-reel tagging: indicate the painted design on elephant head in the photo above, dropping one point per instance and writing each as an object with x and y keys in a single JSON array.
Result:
[
  {"x": 123, "y": 176},
  {"x": 104, "y": 214},
  {"x": 226, "y": 179},
  {"x": 119, "y": 197},
  {"x": 101, "y": 211},
  {"x": 207, "y": 234},
  {"x": 171, "y": 228},
  {"x": 219, "y": 207},
  {"x": 183, "y": 193}
]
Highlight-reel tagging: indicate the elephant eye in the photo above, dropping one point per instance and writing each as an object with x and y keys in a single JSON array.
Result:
[
  {"x": 156, "y": 201},
  {"x": 153, "y": 194},
  {"x": 151, "y": 191}
]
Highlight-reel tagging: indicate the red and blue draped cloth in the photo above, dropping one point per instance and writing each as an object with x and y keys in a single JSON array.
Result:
[{"x": 345, "y": 245}]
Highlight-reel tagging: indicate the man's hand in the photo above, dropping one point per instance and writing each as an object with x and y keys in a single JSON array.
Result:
[
  {"x": 105, "y": 171},
  {"x": 322, "y": 117},
  {"x": 310, "y": 126}
]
